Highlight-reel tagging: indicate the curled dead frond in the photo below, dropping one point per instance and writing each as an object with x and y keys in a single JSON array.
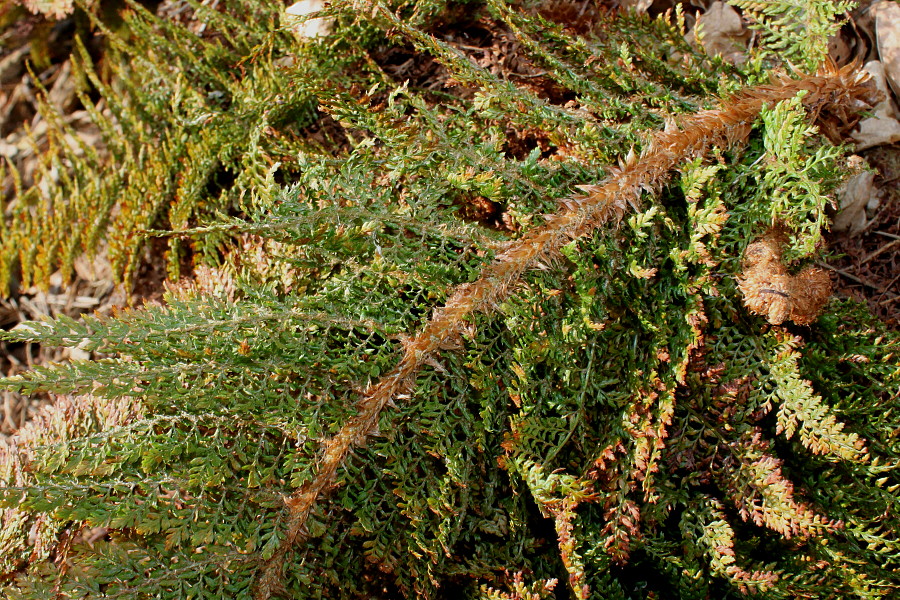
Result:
[{"x": 770, "y": 290}]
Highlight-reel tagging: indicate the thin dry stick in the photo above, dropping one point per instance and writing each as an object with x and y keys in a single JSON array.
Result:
[
  {"x": 604, "y": 203},
  {"x": 884, "y": 248},
  {"x": 852, "y": 277}
]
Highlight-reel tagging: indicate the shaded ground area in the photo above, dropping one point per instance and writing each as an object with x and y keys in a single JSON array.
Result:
[{"x": 868, "y": 263}]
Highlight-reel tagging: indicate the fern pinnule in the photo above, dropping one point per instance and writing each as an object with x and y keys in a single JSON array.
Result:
[
  {"x": 762, "y": 494},
  {"x": 803, "y": 412},
  {"x": 710, "y": 526}
]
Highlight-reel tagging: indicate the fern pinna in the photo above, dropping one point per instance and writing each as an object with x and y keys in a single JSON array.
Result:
[{"x": 391, "y": 376}]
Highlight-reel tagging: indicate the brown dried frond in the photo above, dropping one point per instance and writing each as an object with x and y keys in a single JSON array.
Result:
[
  {"x": 770, "y": 290},
  {"x": 478, "y": 209},
  {"x": 579, "y": 17},
  {"x": 205, "y": 281},
  {"x": 53, "y": 9},
  {"x": 615, "y": 473}
]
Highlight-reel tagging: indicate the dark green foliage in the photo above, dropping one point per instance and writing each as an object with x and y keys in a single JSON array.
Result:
[{"x": 621, "y": 423}]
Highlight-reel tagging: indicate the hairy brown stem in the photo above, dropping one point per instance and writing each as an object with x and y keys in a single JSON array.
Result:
[{"x": 835, "y": 89}]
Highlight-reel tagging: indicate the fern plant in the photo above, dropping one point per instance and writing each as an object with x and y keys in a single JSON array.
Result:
[
  {"x": 493, "y": 339},
  {"x": 796, "y": 30}
]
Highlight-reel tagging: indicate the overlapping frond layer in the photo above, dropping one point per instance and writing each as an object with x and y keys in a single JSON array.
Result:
[
  {"x": 603, "y": 204},
  {"x": 414, "y": 360}
]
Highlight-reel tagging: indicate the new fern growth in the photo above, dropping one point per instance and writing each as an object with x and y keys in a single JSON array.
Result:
[
  {"x": 487, "y": 338},
  {"x": 797, "y": 30}
]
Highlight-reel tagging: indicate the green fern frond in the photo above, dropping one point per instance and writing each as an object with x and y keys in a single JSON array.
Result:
[{"x": 797, "y": 30}]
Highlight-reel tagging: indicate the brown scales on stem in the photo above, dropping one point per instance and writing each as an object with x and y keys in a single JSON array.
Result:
[{"x": 837, "y": 91}]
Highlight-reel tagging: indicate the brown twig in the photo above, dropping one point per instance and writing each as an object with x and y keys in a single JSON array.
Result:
[
  {"x": 872, "y": 255},
  {"x": 883, "y": 290},
  {"x": 852, "y": 277}
]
